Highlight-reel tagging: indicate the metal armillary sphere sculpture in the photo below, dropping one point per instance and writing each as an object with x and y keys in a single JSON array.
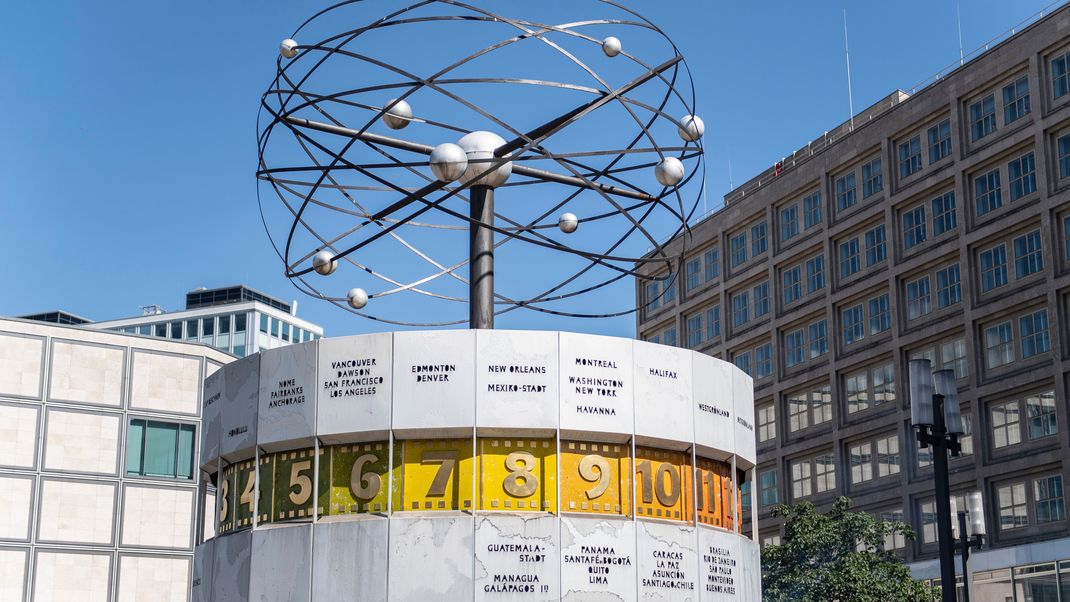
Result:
[{"x": 551, "y": 147}]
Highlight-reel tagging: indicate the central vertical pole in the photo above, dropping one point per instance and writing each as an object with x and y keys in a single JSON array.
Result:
[
  {"x": 964, "y": 548},
  {"x": 481, "y": 258},
  {"x": 943, "y": 502}
]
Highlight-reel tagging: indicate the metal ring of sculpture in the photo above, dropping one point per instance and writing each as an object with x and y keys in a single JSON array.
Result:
[{"x": 352, "y": 196}]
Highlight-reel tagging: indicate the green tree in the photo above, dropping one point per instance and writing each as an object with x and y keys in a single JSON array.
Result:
[{"x": 837, "y": 556}]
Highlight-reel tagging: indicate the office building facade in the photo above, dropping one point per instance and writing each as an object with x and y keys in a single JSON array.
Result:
[
  {"x": 98, "y": 453},
  {"x": 937, "y": 225}
]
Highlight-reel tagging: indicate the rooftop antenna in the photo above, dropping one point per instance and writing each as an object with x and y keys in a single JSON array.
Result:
[
  {"x": 847, "y": 55},
  {"x": 958, "y": 21}
]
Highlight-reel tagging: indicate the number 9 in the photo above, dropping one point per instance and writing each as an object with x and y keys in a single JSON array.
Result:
[{"x": 588, "y": 465}]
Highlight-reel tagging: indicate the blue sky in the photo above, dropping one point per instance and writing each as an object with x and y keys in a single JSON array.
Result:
[{"x": 127, "y": 142}]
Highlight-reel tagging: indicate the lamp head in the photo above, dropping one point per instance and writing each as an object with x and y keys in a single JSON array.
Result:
[{"x": 921, "y": 392}]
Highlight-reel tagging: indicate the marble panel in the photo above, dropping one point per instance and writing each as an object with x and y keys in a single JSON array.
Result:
[
  {"x": 597, "y": 559},
  {"x": 743, "y": 403},
  {"x": 21, "y": 365},
  {"x": 13, "y": 564},
  {"x": 76, "y": 512},
  {"x": 354, "y": 386},
  {"x": 596, "y": 387},
  {"x": 282, "y": 564},
  {"x": 16, "y": 499},
  {"x": 211, "y": 420},
  {"x": 163, "y": 382},
  {"x": 349, "y": 560},
  {"x": 66, "y": 576},
  {"x": 241, "y": 387},
  {"x": 668, "y": 562},
  {"x": 436, "y": 549},
  {"x": 287, "y": 407},
  {"x": 157, "y": 517},
  {"x": 18, "y": 435},
  {"x": 203, "y": 561},
  {"x": 517, "y": 381},
  {"x": 85, "y": 442},
  {"x": 516, "y": 558},
  {"x": 720, "y": 566},
  {"x": 156, "y": 578},
  {"x": 434, "y": 382},
  {"x": 714, "y": 409},
  {"x": 87, "y": 373},
  {"x": 663, "y": 390},
  {"x": 230, "y": 571}
]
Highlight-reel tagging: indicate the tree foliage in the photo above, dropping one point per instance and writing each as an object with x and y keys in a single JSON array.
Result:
[{"x": 837, "y": 556}]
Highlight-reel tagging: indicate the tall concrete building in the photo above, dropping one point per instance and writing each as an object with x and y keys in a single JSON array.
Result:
[
  {"x": 937, "y": 225},
  {"x": 98, "y": 453}
]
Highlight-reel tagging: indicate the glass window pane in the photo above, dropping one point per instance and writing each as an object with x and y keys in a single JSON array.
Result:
[
  {"x": 134, "y": 442},
  {"x": 185, "y": 451},
  {"x": 160, "y": 445}
]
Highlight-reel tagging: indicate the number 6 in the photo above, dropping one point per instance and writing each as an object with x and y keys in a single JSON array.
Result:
[{"x": 364, "y": 486}]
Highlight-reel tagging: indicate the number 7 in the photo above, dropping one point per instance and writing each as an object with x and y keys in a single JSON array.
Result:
[{"x": 448, "y": 459}]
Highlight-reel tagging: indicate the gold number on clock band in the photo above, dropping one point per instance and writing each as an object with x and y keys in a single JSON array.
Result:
[
  {"x": 447, "y": 460},
  {"x": 595, "y": 469},
  {"x": 365, "y": 486},
  {"x": 654, "y": 483},
  {"x": 521, "y": 481},
  {"x": 302, "y": 482},
  {"x": 224, "y": 493},
  {"x": 247, "y": 493}
]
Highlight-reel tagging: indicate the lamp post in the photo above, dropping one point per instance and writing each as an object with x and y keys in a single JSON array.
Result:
[
  {"x": 972, "y": 539},
  {"x": 935, "y": 416}
]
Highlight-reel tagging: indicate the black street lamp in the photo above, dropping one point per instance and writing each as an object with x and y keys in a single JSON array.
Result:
[
  {"x": 972, "y": 539},
  {"x": 935, "y": 415}
]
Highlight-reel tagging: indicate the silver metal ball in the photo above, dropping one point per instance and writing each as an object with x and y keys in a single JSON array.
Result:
[
  {"x": 669, "y": 172},
  {"x": 448, "y": 162},
  {"x": 357, "y": 298},
  {"x": 479, "y": 147},
  {"x": 568, "y": 223},
  {"x": 397, "y": 116},
  {"x": 288, "y": 48},
  {"x": 324, "y": 264},
  {"x": 691, "y": 128},
  {"x": 611, "y": 46}
]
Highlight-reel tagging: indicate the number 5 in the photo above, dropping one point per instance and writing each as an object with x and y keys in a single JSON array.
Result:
[{"x": 302, "y": 482}]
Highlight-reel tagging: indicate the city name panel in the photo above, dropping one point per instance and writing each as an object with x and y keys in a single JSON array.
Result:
[{"x": 477, "y": 465}]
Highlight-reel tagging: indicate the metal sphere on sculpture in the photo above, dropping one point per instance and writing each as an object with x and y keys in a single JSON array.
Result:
[
  {"x": 324, "y": 263},
  {"x": 479, "y": 148},
  {"x": 691, "y": 128},
  {"x": 669, "y": 172},
  {"x": 568, "y": 222},
  {"x": 398, "y": 116},
  {"x": 468, "y": 205},
  {"x": 288, "y": 48},
  {"x": 448, "y": 162},
  {"x": 611, "y": 46},
  {"x": 357, "y": 298}
]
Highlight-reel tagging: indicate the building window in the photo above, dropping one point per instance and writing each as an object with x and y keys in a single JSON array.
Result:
[
  {"x": 792, "y": 285},
  {"x": 713, "y": 322},
  {"x": 653, "y": 298},
  {"x": 1040, "y": 411},
  {"x": 999, "y": 345},
  {"x": 857, "y": 392},
  {"x": 264, "y": 322},
  {"x": 789, "y": 222},
  {"x": 1022, "y": 173},
  {"x": 767, "y": 484},
  {"x": 939, "y": 141},
  {"x": 1066, "y": 237},
  {"x": 693, "y": 273},
  {"x": 694, "y": 331},
  {"x": 794, "y": 346},
  {"x": 988, "y": 192},
  {"x": 966, "y": 438},
  {"x": 919, "y": 299},
  {"x": 983, "y": 117},
  {"x": 1016, "y": 99},
  {"x": 993, "y": 268},
  {"x": 766, "y": 422},
  {"x": 893, "y": 541},
  {"x": 1048, "y": 496},
  {"x": 845, "y": 191},
  {"x": 875, "y": 246},
  {"x": 849, "y": 258},
  {"x": 159, "y": 449},
  {"x": 948, "y": 289},
  {"x": 1028, "y": 258},
  {"x": 1006, "y": 424},
  {"x": 759, "y": 239},
  {"x": 1012, "y": 506},
  {"x": 742, "y": 361},
  {"x": 819, "y": 339},
  {"x": 861, "y": 462},
  {"x": 879, "y": 317},
  {"x": 761, "y": 299},
  {"x": 191, "y": 330},
  {"x": 872, "y": 386},
  {"x": 815, "y": 274},
  {"x": 953, "y": 357},
  {"x": 914, "y": 226},
  {"x": 809, "y": 407},
  {"x": 763, "y": 361},
  {"x": 1060, "y": 75},
  {"x": 853, "y": 324},
  {"x": 825, "y": 473},
  {"x": 669, "y": 336},
  {"x": 801, "y": 479},
  {"x": 1033, "y": 330},
  {"x": 1064, "y": 156},
  {"x": 812, "y": 210},
  {"x": 888, "y": 458},
  {"x": 670, "y": 289},
  {"x": 712, "y": 260},
  {"x": 928, "y": 522},
  {"x": 813, "y": 475},
  {"x": 944, "y": 213},
  {"x": 872, "y": 180},
  {"x": 910, "y": 157},
  {"x": 739, "y": 249}
]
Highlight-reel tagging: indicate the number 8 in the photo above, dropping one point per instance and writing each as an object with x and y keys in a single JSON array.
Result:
[{"x": 513, "y": 485}]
